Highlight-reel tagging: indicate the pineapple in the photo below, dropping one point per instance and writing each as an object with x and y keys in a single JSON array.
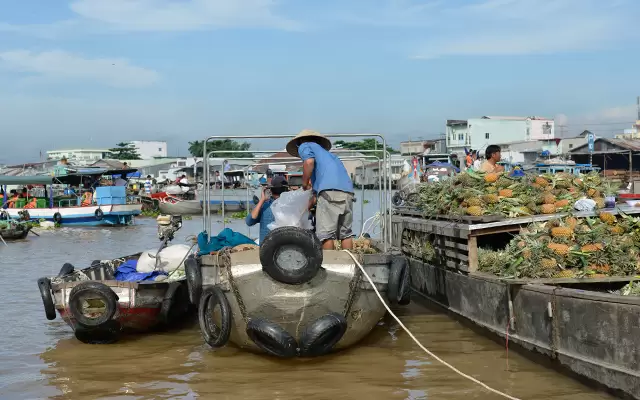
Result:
[
  {"x": 564, "y": 232},
  {"x": 571, "y": 222},
  {"x": 608, "y": 218},
  {"x": 592, "y": 248},
  {"x": 474, "y": 202},
  {"x": 504, "y": 182},
  {"x": 601, "y": 269},
  {"x": 491, "y": 177},
  {"x": 599, "y": 202},
  {"x": 548, "y": 208},
  {"x": 548, "y": 263},
  {"x": 548, "y": 198},
  {"x": 616, "y": 230},
  {"x": 594, "y": 276},
  {"x": 562, "y": 203},
  {"x": 541, "y": 181},
  {"x": 567, "y": 273},
  {"x": 490, "y": 198},
  {"x": 505, "y": 193},
  {"x": 558, "y": 248},
  {"x": 593, "y": 193},
  {"x": 475, "y": 211}
]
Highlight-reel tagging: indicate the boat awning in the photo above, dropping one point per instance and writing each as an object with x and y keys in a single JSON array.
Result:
[{"x": 26, "y": 180}]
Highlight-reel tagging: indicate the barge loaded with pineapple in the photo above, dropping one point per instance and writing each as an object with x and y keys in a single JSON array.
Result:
[{"x": 537, "y": 259}]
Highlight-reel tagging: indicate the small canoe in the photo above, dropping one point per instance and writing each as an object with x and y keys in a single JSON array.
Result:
[{"x": 13, "y": 230}]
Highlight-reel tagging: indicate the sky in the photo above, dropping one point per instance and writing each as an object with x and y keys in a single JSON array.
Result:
[{"x": 91, "y": 73}]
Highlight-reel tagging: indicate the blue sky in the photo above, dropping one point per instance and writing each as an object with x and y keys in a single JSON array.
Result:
[{"x": 90, "y": 73}]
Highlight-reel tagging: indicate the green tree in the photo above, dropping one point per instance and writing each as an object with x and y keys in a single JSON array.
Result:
[
  {"x": 197, "y": 148},
  {"x": 124, "y": 151},
  {"x": 365, "y": 144}
]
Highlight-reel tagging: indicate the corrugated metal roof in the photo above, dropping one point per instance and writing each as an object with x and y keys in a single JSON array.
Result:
[{"x": 625, "y": 144}]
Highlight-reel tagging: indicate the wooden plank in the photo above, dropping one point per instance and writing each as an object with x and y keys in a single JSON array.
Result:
[
  {"x": 473, "y": 253},
  {"x": 457, "y": 265},
  {"x": 459, "y": 256},
  {"x": 455, "y": 245}
]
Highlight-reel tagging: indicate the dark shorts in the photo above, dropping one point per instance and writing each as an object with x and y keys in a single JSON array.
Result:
[{"x": 334, "y": 215}]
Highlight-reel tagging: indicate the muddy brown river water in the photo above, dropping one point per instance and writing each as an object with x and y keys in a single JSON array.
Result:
[{"x": 41, "y": 359}]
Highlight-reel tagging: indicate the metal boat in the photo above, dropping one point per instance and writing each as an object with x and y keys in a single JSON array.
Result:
[
  {"x": 290, "y": 298},
  {"x": 100, "y": 308}
]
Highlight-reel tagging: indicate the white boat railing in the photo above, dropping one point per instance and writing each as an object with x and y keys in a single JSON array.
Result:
[{"x": 386, "y": 225}]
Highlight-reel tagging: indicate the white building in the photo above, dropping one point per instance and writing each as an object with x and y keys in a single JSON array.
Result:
[
  {"x": 478, "y": 133},
  {"x": 150, "y": 149},
  {"x": 632, "y": 133},
  {"x": 78, "y": 156}
]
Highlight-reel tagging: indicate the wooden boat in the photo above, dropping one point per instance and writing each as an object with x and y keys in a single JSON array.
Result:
[
  {"x": 110, "y": 205},
  {"x": 14, "y": 231},
  {"x": 174, "y": 206},
  {"x": 290, "y": 298},
  {"x": 579, "y": 324},
  {"x": 100, "y": 308}
]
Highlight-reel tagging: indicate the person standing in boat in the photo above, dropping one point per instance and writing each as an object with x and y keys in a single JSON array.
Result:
[
  {"x": 493, "y": 158},
  {"x": 323, "y": 172},
  {"x": 147, "y": 185},
  {"x": 262, "y": 213}
]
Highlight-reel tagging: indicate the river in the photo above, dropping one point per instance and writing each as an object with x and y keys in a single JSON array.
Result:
[{"x": 41, "y": 359}]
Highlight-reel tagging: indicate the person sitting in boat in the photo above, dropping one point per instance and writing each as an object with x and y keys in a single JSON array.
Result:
[
  {"x": 492, "y": 159},
  {"x": 33, "y": 203},
  {"x": 24, "y": 194},
  {"x": 87, "y": 199},
  {"x": 262, "y": 213},
  {"x": 323, "y": 172},
  {"x": 11, "y": 203}
]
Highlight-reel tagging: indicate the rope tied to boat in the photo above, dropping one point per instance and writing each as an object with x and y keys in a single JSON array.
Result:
[
  {"x": 454, "y": 369},
  {"x": 224, "y": 254}
]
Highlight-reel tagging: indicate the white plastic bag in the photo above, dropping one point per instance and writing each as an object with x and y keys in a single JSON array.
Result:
[
  {"x": 171, "y": 258},
  {"x": 585, "y": 205},
  {"x": 291, "y": 209}
]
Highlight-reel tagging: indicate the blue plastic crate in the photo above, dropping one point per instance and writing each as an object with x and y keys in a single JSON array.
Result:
[{"x": 106, "y": 195}]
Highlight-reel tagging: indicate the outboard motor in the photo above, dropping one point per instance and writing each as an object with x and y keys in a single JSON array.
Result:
[{"x": 168, "y": 225}]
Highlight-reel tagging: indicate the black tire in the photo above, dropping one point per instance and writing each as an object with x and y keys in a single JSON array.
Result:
[
  {"x": 303, "y": 244},
  {"x": 99, "y": 214},
  {"x": 44, "y": 284},
  {"x": 24, "y": 215},
  {"x": 215, "y": 336},
  {"x": 57, "y": 218},
  {"x": 399, "y": 285},
  {"x": 100, "y": 291},
  {"x": 175, "y": 303},
  {"x": 397, "y": 199},
  {"x": 271, "y": 338},
  {"x": 242, "y": 206},
  {"x": 107, "y": 333},
  {"x": 322, "y": 335},
  {"x": 194, "y": 279},
  {"x": 66, "y": 270}
]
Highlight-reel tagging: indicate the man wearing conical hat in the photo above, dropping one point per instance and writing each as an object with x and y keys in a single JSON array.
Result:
[{"x": 324, "y": 173}]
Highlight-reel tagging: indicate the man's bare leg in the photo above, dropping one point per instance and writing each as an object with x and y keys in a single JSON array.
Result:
[
  {"x": 347, "y": 244},
  {"x": 327, "y": 245}
]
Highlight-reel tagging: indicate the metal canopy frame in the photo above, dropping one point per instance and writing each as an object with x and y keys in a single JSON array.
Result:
[{"x": 386, "y": 220}]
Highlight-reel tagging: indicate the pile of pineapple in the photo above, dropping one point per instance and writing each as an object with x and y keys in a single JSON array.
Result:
[
  {"x": 476, "y": 194},
  {"x": 569, "y": 248}
]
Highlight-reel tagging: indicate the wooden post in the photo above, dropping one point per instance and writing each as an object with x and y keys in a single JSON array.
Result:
[{"x": 473, "y": 253}]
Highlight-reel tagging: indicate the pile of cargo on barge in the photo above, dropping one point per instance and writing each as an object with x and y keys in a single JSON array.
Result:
[{"x": 496, "y": 251}]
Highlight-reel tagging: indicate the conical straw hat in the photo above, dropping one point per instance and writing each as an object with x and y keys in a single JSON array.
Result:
[{"x": 292, "y": 146}]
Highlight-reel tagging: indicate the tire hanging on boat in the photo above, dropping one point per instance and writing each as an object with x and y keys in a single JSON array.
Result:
[
  {"x": 194, "y": 279},
  {"x": 291, "y": 255},
  {"x": 66, "y": 270},
  {"x": 272, "y": 338},
  {"x": 92, "y": 290},
  {"x": 322, "y": 335},
  {"x": 99, "y": 214},
  {"x": 175, "y": 303},
  {"x": 397, "y": 199},
  {"x": 399, "y": 284},
  {"x": 215, "y": 336},
  {"x": 44, "y": 284},
  {"x": 107, "y": 333},
  {"x": 57, "y": 218}
]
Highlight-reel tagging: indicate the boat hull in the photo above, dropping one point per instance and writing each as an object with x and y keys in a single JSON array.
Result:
[
  {"x": 112, "y": 215},
  {"x": 184, "y": 207},
  {"x": 337, "y": 288},
  {"x": 15, "y": 233},
  {"x": 139, "y": 306}
]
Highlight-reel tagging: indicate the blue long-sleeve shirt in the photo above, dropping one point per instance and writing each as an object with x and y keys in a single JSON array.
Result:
[{"x": 265, "y": 217}]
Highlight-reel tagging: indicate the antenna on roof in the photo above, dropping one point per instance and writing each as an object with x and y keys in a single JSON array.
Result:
[{"x": 638, "y": 102}]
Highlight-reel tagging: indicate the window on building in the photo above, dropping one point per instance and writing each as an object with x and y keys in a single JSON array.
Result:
[
  {"x": 159, "y": 148},
  {"x": 460, "y": 136},
  {"x": 486, "y": 135},
  {"x": 570, "y": 146}
]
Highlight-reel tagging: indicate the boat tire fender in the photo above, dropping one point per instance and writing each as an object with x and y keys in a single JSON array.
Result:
[
  {"x": 107, "y": 333},
  {"x": 57, "y": 218},
  {"x": 175, "y": 303},
  {"x": 291, "y": 255},
  {"x": 215, "y": 336},
  {"x": 66, "y": 270},
  {"x": 194, "y": 279},
  {"x": 95, "y": 290},
  {"x": 322, "y": 335},
  {"x": 242, "y": 206},
  {"x": 272, "y": 338},
  {"x": 397, "y": 199},
  {"x": 24, "y": 215},
  {"x": 44, "y": 284},
  {"x": 99, "y": 214},
  {"x": 399, "y": 285}
]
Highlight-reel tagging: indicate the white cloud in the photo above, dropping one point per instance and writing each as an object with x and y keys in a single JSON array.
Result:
[
  {"x": 504, "y": 27},
  {"x": 60, "y": 65},
  {"x": 100, "y": 16}
]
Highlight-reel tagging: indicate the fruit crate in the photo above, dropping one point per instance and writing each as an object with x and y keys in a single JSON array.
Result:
[{"x": 455, "y": 244}]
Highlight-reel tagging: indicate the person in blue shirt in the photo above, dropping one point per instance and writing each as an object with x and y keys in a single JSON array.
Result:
[
  {"x": 262, "y": 213},
  {"x": 323, "y": 172}
]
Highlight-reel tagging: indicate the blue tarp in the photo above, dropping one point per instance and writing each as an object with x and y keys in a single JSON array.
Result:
[
  {"x": 127, "y": 272},
  {"x": 226, "y": 238},
  {"x": 129, "y": 175},
  {"x": 438, "y": 164}
]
